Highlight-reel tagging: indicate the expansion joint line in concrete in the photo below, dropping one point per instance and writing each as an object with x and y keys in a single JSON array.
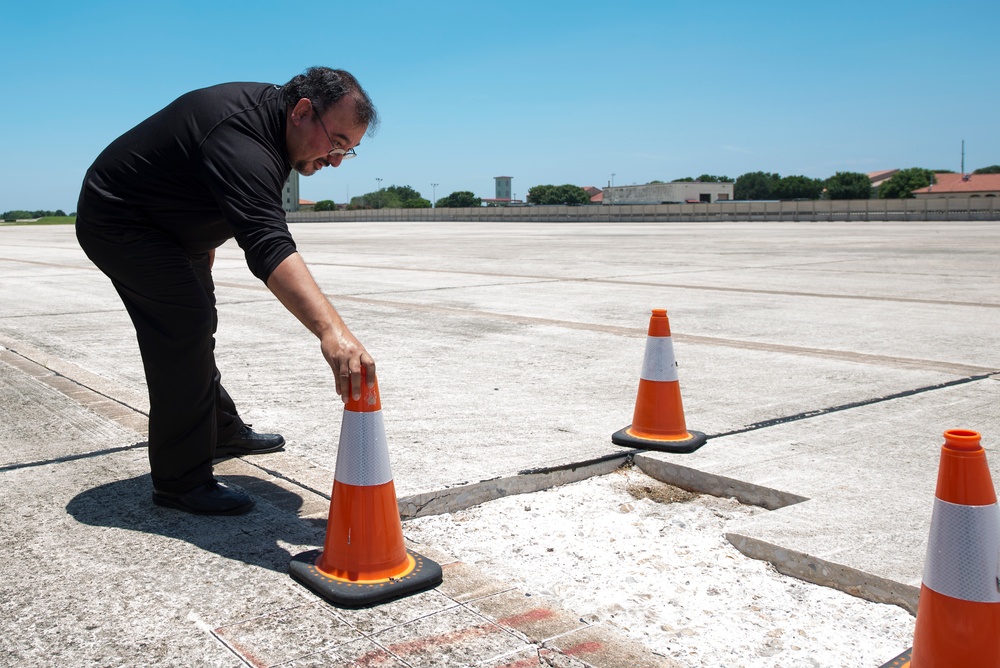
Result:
[
  {"x": 71, "y": 458},
  {"x": 38, "y": 371},
  {"x": 854, "y": 404},
  {"x": 461, "y": 497},
  {"x": 292, "y": 481},
  {"x": 827, "y": 573},
  {"x": 65, "y": 385}
]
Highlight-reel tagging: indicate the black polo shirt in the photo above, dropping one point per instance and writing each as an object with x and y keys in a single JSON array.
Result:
[{"x": 210, "y": 166}]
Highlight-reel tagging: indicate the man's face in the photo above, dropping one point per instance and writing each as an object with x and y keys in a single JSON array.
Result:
[{"x": 309, "y": 144}]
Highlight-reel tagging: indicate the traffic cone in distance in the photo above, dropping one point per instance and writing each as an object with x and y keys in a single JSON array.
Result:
[
  {"x": 658, "y": 421},
  {"x": 364, "y": 560},
  {"x": 958, "y": 614}
]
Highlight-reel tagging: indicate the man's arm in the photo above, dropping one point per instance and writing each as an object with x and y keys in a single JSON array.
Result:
[{"x": 296, "y": 289}]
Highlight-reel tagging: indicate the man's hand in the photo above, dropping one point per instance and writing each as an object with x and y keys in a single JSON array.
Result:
[
  {"x": 348, "y": 358},
  {"x": 295, "y": 288}
]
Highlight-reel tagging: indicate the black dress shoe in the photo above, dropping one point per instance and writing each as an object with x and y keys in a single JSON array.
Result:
[
  {"x": 248, "y": 442},
  {"x": 212, "y": 498}
]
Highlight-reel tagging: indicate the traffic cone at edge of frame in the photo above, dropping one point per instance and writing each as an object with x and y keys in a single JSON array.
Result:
[
  {"x": 658, "y": 421},
  {"x": 364, "y": 560},
  {"x": 958, "y": 614}
]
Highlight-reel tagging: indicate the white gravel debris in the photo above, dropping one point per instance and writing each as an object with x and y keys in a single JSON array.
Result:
[{"x": 652, "y": 560}]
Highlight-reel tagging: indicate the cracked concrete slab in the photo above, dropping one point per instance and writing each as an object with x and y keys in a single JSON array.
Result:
[{"x": 508, "y": 354}]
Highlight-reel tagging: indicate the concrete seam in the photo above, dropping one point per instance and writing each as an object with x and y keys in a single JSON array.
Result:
[
  {"x": 614, "y": 280},
  {"x": 694, "y": 480},
  {"x": 459, "y": 498},
  {"x": 827, "y": 573},
  {"x": 382, "y": 646},
  {"x": 281, "y": 476},
  {"x": 31, "y": 367},
  {"x": 861, "y": 358},
  {"x": 513, "y": 633},
  {"x": 855, "y": 404},
  {"x": 453, "y": 499},
  {"x": 232, "y": 650},
  {"x": 575, "y": 465},
  {"x": 71, "y": 458}
]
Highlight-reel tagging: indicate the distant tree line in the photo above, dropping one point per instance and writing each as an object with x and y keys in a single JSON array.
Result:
[
  {"x": 393, "y": 197},
  {"x": 401, "y": 197},
  {"x": 764, "y": 185},
  {"x": 842, "y": 185},
  {"x": 24, "y": 215},
  {"x": 749, "y": 186},
  {"x": 565, "y": 194},
  {"x": 459, "y": 200}
]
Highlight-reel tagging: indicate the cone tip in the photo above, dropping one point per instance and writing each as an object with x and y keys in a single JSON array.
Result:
[
  {"x": 369, "y": 401},
  {"x": 963, "y": 440},
  {"x": 659, "y": 313}
]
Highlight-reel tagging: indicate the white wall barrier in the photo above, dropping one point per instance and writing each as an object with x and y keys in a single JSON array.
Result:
[{"x": 937, "y": 209}]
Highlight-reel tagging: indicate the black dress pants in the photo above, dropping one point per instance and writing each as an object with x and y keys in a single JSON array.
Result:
[{"x": 170, "y": 296}]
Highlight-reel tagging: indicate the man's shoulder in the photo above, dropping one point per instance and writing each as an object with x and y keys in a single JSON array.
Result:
[{"x": 245, "y": 92}]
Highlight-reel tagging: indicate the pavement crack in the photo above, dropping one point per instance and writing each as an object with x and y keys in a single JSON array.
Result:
[
  {"x": 854, "y": 404},
  {"x": 28, "y": 361},
  {"x": 71, "y": 458},
  {"x": 281, "y": 476}
]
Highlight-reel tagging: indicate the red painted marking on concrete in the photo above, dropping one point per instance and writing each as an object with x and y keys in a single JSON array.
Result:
[
  {"x": 584, "y": 648},
  {"x": 521, "y": 663},
  {"x": 534, "y": 615},
  {"x": 374, "y": 660},
  {"x": 422, "y": 644},
  {"x": 241, "y": 651}
]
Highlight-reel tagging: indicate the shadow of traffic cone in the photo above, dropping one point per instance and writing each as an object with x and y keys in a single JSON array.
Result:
[
  {"x": 958, "y": 614},
  {"x": 658, "y": 421},
  {"x": 364, "y": 560}
]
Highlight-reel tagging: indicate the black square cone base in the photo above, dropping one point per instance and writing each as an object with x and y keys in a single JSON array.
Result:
[
  {"x": 425, "y": 574},
  {"x": 623, "y": 438},
  {"x": 901, "y": 661}
]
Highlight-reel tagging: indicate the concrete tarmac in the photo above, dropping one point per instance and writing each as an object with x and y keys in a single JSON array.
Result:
[{"x": 824, "y": 361}]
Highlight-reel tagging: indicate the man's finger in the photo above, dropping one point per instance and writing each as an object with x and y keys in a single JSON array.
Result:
[
  {"x": 356, "y": 384},
  {"x": 344, "y": 383}
]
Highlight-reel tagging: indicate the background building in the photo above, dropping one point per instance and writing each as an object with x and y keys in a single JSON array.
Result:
[
  {"x": 503, "y": 193},
  {"x": 668, "y": 193},
  {"x": 503, "y": 187},
  {"x": 881, "y": 176},
  {"x": 290, "y": 194},
  {"x": 961, "y": 185}
]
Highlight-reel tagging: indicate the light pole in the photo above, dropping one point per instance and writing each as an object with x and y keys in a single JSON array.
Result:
[
  {"x": 434, "y": 187},
  {"x": 378, "y": 189}
]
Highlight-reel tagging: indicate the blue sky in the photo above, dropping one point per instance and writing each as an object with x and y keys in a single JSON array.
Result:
[{"x": 546, "y": 92}]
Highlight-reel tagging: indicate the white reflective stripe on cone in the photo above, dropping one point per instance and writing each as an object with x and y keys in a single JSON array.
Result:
[
  {"x": 363, "y": 454},
  {"x": 963, "y": 552},
  {"x": 659, "y": 364}
]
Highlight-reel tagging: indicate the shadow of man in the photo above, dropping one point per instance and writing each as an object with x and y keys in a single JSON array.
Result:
[{"x": 253, "y": 538}]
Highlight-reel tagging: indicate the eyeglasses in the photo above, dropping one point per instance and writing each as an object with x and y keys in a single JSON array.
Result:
[{"x": 345, "y": 154}]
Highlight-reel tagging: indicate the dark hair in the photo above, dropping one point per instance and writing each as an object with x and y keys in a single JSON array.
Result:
[{"x": 325, "y": 87}]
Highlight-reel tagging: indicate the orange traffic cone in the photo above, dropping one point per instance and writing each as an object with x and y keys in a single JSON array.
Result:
[
  {"x": 958, "y": 616},
  {"x": 364, "y": 560},
  {"x": 658, "y": 421}
]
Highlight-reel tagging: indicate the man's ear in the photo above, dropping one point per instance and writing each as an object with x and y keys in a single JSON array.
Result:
[{"x": 300, "y": 110}]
